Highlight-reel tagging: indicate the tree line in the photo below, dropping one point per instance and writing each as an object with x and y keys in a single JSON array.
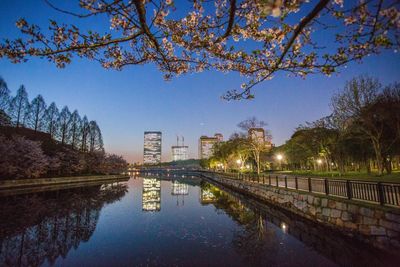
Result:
[
  {"x": 361, "y": 134},
  {"x": 39, "y": 139}
]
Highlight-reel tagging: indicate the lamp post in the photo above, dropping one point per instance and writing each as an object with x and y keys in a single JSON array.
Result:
[
  {"x": 279, "y": 157},
  {"x": 239, "y": 163}
]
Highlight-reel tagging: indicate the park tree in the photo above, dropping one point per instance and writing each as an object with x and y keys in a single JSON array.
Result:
[
  {"x": 256, "y": 38},
  {"x": 64, "y": 123},
  {"x": 255, "y": 144},
  {"x": 19, "y": 107},
  {"x": 95, "y": 137},
  {"x": 74, "y": 130},
  {"x": 84, "y": 133},
  {"x": 51, "y": 120},
  {"x": 349, "y": 109},
  {"x": 4, "y": 95},
  {"x": 380, "y": 121},
  {"x": 36, "y": 114}
]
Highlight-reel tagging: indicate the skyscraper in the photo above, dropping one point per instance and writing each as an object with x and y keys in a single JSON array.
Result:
[
  {"x": 152, "y": 148},
  {"x": 180, "y": 151},
  {"x": 206, "y": 145}
]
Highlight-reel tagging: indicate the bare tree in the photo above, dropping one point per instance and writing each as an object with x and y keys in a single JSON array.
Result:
[
  {"x": 64, "y": 125},
  {"x": 201, "y": 36},
  {"x": 95, "y": 137},
  {"x": 4, "y": 95},
  {"x": 349, "y": 105},
  {"x": 85, "y": 130},
  {"x": 75, "y": 125},
  {"x": 51, "y": 119},
  {"x": 19, "y": 106},
  {"x": 37, "y": 113}
]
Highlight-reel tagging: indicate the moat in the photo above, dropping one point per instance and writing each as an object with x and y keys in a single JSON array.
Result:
[{"x": 158, "y": 221}]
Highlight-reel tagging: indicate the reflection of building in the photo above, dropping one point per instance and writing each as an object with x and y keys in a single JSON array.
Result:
[
  {"x": 179, "y": 189},
  {"x": 152, "y": 148},
  {"x": 206, "y": 196},
  {"x": 206, "y": 145},
  {"x": 151, "y": 196}
]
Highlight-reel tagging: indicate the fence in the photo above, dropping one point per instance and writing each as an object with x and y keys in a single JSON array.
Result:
[{"x": 377, "y": 192}]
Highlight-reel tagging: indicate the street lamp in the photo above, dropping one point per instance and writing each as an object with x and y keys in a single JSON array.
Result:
[{"x": 279, "y": 157}]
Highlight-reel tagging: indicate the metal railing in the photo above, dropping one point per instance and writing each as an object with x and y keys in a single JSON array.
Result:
[{"x": 377, "y": 192}]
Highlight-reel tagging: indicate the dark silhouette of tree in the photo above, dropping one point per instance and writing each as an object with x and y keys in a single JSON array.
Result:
[
  {"x": 64, "y": 124},
  {"x": 36, "y": 114},
  {"x": 85, "y": 130},
  {"x": 19, "y": 106},
  {"x": 75, "y": 127},
  {"x": 51, "y": 120},
  {"x": 4, "y": 95},
  {"x": 95, "y": 137}
]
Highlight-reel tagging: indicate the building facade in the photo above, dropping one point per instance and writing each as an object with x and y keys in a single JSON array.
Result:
[
  {"x": 259, "y": 135},
  {"x": 206, "y": 145},
  {"x": 180, "y": 153},
  {"x": 152, "y": 148}
]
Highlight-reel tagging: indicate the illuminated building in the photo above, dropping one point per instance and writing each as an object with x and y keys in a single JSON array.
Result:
[
  {"x": 152, "y": 148},
  {"x": 206, "y": 145},
  {"x": 151, "y": 195},
  {"x": 180, "y": 152},
  {"x": 259, "y": 135}
]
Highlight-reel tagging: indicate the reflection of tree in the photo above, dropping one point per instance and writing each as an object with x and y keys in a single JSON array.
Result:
[
  {"x": 43, "y": 227},
  {"x": 253, "y": 239}
]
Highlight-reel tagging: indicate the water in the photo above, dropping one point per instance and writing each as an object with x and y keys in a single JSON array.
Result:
[{"x": 153, "y": 222}]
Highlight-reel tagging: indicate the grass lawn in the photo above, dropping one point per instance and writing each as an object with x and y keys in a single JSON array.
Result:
[{"x": 394, "y": 177}]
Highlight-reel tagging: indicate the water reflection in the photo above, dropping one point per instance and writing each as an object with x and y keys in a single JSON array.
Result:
[
  {"x": 40, "y": 227},
  {"x": 151, "y": 197},
  {"x": 200, "y": 224}
]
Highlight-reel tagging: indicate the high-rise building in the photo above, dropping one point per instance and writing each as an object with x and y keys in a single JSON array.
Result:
[
  {"x": 219, "y": 136},
  {"x": 152, "y": 148},
  {"x": 180, "y": 151},
  {"x": 206, "y": 145},
  {"x": 259, "y": 135}
]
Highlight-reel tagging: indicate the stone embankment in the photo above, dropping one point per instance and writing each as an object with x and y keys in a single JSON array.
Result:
[{"x": 374, "y": 224}]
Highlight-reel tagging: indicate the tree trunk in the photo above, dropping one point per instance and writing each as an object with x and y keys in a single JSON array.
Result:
[{"x": 378, "y": 155}]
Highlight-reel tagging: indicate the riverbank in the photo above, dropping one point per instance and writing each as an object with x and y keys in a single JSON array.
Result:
[
  {"x": 18, "y": 186},
  {"x": 374, "y": 224}
]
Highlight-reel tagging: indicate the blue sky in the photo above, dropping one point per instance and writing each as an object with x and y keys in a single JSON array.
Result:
[{"x": 126, "y": 103}]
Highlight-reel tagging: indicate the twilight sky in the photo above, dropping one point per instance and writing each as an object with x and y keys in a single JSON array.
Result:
[{"x": 126, "y": 103}]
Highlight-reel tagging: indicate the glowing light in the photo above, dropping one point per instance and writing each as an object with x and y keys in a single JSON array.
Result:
[
  {"x": 284, "y": 227},
  {"x": 279, "y": 157},
  {"x": 238, "y": 161},
  {"x": 319, "y": 161}
]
